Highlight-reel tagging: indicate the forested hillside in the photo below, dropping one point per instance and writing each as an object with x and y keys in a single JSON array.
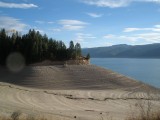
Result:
[
  {"x": 125, "y": 51},
  {"x": 35, "y": 47}
]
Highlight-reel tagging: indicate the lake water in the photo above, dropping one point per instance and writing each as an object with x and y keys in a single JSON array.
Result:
[{"x": 145, "y": 70}]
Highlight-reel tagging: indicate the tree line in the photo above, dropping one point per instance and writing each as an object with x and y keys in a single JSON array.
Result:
[{"x": 36, "y": 47}]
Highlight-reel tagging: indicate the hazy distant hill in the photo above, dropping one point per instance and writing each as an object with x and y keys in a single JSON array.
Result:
[{"x": 125, "y": 51}]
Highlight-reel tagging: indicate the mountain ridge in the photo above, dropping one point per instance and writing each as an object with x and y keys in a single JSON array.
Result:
[{"x": 124, "y": 51}]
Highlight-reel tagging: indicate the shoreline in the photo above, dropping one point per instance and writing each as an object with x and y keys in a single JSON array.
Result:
[{"x": 76, "y": 75}]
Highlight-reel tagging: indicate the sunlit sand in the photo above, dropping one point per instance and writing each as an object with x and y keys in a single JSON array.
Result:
[{"x": 83, "y": 92}]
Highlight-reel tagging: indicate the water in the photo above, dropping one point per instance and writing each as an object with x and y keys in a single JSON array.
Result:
[{"x": 145, "y": 70}]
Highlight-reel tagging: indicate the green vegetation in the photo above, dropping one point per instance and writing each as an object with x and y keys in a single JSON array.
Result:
[{"x": 35, "y": 47}]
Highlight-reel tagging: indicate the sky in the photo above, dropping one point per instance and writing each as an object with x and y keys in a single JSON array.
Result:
[{"x": 92, "y": 23}]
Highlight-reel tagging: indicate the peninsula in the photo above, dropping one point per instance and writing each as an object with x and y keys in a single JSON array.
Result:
[{"x": 45, "y": 79}]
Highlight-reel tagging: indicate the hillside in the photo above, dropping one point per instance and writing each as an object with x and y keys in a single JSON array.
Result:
[{"x": 125, "y": 51}]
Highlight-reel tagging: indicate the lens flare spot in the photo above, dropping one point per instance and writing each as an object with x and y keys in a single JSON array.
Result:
[{"x": 15, "y": 62}]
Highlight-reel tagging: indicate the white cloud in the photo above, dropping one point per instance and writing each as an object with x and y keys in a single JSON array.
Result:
[
  {"x": 72, "y": 27},
  {"x": 90, "y": 36},
  {"x": 81, "y": 37},
  {"x": 43, "y": 22},
  {"x": 107, "y": 3},
  {"x": 156, "y": 1},
  {"x": 115, "y": 3},
  {"x": 121, "y": 39},
  {"x": 107, "y": 44},
  {"x": 129, "y": 38},
  {"x": 131, "y": 29},
  {"x": 149, "y": 37},
  {"x": 56, "y": 30},
  {"x": 138, "y": 35},
  {"x": 155, "y": 28},
  {"x": 72, "y": 24},
  {"x": 39, "y": 22},
  {"x": 50, "y": 22},
  {"x": 16, "y": 5},
  {"x": 10, "y": 23},
  {"x": 109, "y": 36},
  {"x": 94, "y": 15}
]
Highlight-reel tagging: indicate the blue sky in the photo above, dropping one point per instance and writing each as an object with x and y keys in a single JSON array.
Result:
[{"x": 92, "y": 23}]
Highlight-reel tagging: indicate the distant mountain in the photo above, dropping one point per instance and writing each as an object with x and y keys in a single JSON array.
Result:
[{"x": 124, "y": 51}]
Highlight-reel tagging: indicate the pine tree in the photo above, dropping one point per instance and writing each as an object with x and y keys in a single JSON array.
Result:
[{"x": 36, "y": 47}]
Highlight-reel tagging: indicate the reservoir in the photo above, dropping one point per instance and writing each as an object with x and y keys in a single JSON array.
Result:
[{"x": 145, "y": 70}]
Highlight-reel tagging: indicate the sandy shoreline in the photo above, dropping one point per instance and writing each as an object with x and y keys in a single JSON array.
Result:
[{"x": 87, "y": 92}]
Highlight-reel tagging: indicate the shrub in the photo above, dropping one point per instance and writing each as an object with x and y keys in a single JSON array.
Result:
[{"x": 145, "y": 112}]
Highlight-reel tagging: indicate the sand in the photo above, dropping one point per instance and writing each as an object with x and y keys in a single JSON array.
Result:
[{"x": 83, "y": 92}]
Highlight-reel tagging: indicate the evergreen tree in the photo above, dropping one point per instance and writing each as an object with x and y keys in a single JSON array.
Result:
[
  {"x": 88, "y": 56},
  {"x": 71, "y": 50},
  {"x": 36, "y": 47},
  {"x": 78, "y": 50},
  {"x": 4, "y": 46}
]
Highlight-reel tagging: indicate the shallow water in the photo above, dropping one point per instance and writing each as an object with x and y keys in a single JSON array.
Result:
[{"x": 145, "y": 70}]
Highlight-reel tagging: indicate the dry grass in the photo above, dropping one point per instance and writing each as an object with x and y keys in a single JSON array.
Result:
[
  {"x": 17, "y": 116},
  {"x": 145, "y": 112},
  {"x": 153, "y": 116}
]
